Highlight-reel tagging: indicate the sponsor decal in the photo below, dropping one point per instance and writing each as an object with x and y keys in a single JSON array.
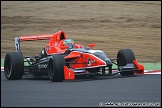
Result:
[
  {"x": 42, "y": 66},
  {"x": 89, "y": 62}
]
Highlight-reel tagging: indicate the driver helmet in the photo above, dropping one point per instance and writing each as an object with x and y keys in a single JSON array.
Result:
[{"x": 69, "y": 43}]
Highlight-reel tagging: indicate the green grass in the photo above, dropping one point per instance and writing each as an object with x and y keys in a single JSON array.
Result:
[
  {"x": 2, "y": 62},
  {"x": 152, "y": 66}
]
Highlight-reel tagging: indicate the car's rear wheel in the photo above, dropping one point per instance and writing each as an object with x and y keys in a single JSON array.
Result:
[
  {"x": 14, "y": 65},
  {"x": 125, "y": 56},
  {"x": 56, "y": 68}
]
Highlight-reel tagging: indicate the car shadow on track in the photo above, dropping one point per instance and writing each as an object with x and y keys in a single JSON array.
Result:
[{"x": 84, "y": 78}]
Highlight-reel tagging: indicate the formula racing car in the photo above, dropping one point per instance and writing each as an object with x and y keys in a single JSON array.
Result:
[{"x": 62, "y": 59}]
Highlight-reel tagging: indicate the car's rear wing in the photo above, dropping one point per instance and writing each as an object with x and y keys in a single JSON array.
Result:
[
  {"x": 51, "y": 37},
  {"x": 19, "y": 39}
]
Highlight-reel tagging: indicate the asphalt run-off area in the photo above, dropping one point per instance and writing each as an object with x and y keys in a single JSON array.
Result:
[{"x": 137, "y": 90}]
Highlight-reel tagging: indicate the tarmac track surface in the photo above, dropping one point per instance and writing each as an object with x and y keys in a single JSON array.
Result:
[{"x": 82, "y": 92}]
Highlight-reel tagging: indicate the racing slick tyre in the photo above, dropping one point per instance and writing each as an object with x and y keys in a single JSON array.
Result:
[
  {"x": 56, "y": 68},
  {"x": 14, "y": 65},
  {"x": 125, "y": 56}
]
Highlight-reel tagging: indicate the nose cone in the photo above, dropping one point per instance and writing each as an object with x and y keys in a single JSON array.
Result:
[{"x": 104, "y": 57}]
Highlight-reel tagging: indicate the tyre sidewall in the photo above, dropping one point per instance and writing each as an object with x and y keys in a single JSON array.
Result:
[
  {"x": 17, "y": 64},
  {"x": 56, "y": 68},
  {"x": 125, "y": 56}
]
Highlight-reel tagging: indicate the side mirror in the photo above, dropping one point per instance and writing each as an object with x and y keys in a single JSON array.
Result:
[{"x": 91, "y": 45}]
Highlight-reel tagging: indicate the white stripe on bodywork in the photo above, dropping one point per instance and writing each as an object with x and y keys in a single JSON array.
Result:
[{"x": 93, "y": 56}]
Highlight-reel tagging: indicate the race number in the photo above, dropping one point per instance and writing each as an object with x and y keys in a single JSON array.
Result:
[{"x": 17, "y": 44}]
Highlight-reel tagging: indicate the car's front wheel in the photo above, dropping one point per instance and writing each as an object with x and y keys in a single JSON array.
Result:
[
  {"x": 56, "y": 68},
  {"x": 125, "y": 56}
]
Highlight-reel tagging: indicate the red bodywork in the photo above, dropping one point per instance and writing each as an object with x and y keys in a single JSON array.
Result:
[
  {"x": 139, "y": 67},
  {"x": 55, "y": 46}
]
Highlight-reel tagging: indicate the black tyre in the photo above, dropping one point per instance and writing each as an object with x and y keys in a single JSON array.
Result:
[
  {"x": 125, "y": 56},
  {"x": 14, "y": 65},
  {"x": 56, "y": 68}
]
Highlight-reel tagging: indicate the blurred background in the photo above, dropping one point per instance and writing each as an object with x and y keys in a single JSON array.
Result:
[{"x": 111, "y": 25}]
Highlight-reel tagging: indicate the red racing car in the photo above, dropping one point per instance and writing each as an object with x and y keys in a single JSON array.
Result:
[{"x": 62, "y": 59}]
